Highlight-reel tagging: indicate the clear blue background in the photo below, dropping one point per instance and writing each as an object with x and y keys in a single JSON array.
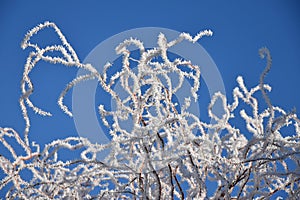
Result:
[{"x": 240, "y": 29}]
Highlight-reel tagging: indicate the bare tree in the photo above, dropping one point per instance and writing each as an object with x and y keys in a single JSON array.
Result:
[{"x": 169, "y": 153}]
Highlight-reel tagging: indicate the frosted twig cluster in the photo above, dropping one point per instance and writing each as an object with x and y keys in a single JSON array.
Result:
[{"x": 168, "y": 153}]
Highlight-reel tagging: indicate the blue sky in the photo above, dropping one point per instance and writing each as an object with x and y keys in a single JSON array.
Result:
[{"x": 240, "y": 29}]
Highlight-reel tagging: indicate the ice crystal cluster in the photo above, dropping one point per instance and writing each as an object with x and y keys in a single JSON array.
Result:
[{"x": 169, "y": 153}]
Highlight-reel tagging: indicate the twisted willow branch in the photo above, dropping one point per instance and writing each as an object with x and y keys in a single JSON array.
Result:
[{"x": 161, "y": 157}]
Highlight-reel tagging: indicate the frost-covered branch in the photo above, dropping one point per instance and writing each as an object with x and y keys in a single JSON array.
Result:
[{"x": 169, "y": 153}]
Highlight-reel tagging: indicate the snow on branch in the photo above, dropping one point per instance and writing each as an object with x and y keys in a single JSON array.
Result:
[{"x": 169, "y": 153}]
